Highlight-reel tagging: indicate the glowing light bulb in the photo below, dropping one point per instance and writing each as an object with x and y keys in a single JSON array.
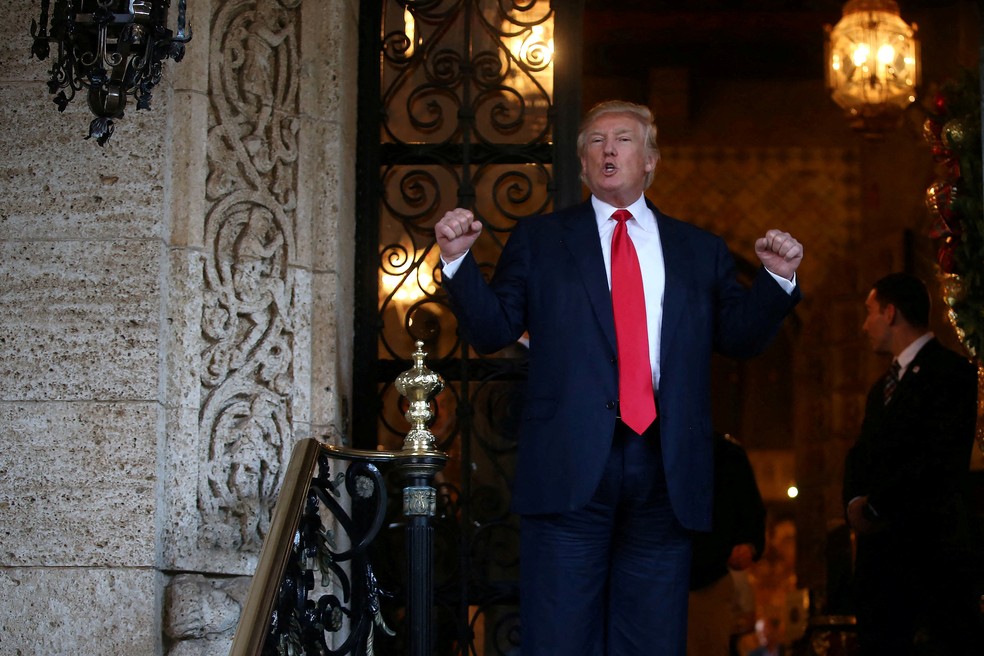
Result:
[
  {"x": 886, "y": 54},
  {"x": 860, "y": 54}
]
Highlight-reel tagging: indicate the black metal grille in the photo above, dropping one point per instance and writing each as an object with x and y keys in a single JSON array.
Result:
[{"x": 457, "y": 108}]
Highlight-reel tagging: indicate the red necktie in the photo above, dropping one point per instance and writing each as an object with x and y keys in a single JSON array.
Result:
[{"x": 635, "y": 376}]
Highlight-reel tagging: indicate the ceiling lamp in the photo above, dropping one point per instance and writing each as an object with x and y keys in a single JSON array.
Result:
[
  {"x": 112, "y": 48},
  {"x": 872, "y": 65}
]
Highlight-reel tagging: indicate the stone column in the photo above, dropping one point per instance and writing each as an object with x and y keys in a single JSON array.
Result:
[{"x": 177, "y": 315}]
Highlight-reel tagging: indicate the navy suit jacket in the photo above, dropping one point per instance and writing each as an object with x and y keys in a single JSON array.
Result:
[{"x": 551, "y": 281}]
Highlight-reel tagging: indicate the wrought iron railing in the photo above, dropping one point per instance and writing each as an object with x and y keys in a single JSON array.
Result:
[{"x": 314, "y": 590}]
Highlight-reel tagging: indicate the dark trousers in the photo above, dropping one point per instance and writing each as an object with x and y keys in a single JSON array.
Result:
[{"x": 610, "y": 578}]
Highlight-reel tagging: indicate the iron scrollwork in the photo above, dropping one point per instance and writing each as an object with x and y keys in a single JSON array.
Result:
[
  {"x": 467, "y": 118},
  {"x": 113, "y": 48},
  {"x": 328, "y": 587},
  {"x": 289, "y": 612}
]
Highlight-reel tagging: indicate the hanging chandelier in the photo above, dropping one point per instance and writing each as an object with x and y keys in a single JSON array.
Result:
[
  {"x": 111, "y": 48},
  {"x": 872, "y": 65}
]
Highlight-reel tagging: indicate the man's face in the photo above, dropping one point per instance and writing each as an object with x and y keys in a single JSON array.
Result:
[
  {"x": 877, "y": 323},
  {"x": 615, "y": 160}
]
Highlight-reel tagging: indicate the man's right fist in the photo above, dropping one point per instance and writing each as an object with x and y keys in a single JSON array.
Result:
[{"x": 456, "y": 232}]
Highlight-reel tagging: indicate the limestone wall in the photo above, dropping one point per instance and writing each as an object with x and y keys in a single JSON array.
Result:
[{"x": 176, "y": 315}]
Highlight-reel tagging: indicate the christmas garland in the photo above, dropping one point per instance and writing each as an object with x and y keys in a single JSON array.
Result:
[{"x": 953, "y": 130}]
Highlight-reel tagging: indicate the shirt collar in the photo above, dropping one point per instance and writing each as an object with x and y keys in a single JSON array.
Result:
[
  {"x": 639, "y": 210},
  {"x": 908, "y": 354}
]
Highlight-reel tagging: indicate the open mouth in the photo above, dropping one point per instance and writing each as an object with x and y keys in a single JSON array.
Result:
[{"x": 609, "y": 168}]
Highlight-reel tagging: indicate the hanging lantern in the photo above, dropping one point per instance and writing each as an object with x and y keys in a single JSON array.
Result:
[
  {"x": 111, "y": 48},
  {"x": 872, "y": 65}
]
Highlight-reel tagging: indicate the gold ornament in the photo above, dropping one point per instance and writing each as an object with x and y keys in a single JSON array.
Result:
[
  {"x": 953, "y": 289},
  {"x": 954, "y": 133}
]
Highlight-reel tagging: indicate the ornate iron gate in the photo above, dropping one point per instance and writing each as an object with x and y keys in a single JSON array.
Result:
[{"x": 462, "y": 103}]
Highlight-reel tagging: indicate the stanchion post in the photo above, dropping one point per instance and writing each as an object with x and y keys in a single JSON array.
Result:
[{"x": 419, "y": 462}]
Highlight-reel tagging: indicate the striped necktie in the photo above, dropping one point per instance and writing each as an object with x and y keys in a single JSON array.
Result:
[{"x": 892, "y": 380}]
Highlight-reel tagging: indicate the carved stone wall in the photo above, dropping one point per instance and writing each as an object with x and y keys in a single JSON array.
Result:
[
  {"x": 265, "y": 355},
  {"x": 177, "y": 315},
  {"x": 251, "y": 305}
]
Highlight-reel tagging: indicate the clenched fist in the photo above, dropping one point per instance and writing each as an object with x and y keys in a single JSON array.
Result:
[
  {"x": 780, "y": 253},
  {"x": 456, "y": 232}
]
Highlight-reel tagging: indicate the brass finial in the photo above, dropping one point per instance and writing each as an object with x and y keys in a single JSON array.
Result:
[{"x": 419, "y": 385}]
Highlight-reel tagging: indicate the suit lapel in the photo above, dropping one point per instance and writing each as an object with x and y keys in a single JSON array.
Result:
[{"x": 581, "y": 239}]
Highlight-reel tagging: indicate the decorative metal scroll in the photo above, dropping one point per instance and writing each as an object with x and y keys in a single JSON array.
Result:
[
  {"x": 315, "y": 590},
  {"x": 476, "y": 539},
  {"x": 320, "y": 596},
  {"x": 290, "y": 610},
  {"x": 111, "y": 48},
  {"x": 466, "y": 118}
]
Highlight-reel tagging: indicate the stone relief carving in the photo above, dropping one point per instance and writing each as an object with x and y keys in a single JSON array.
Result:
[
  {"x": 247, "y": 357},
  {"x": 197, "y": 608}
]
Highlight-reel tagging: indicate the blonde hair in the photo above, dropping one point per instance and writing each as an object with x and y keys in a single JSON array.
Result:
[{"x": 639, "y": 112}]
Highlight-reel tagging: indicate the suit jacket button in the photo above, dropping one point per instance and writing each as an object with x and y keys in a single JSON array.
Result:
[{"x": 610, "y": 405}]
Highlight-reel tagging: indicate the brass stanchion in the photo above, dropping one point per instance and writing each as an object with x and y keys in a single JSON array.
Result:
[{"x": 419, "y": 462}]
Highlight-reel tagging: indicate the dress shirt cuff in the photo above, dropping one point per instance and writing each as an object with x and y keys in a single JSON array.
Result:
[
  {"x": 787, "y": 285},
  {"x": 448, "y": 269}
]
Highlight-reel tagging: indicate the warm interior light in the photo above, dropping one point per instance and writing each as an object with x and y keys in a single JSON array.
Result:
[
  {"x": 886, "y": 54},
  {"x": 792, "y": 492},
  {"x": 410, "y": 29},
  {"x": 873, "y": 90},
  {"x": 860, "y": 56},
  {"x": 407, "y": 282},
  {"x": 531, "y": 46},
  {"x": 537, "y": 39}
]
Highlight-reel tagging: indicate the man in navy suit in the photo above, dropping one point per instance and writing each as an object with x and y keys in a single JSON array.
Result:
[
  {"x": 905, "y": 485},
  {"x": 606, "y": 510}
]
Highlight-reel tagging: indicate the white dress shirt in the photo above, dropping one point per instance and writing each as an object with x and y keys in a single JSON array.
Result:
[
  {"x": 644, "y": 234},
  {"x": 908, "y": 354}
]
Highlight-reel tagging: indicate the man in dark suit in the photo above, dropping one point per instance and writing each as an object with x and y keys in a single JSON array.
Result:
[
  {"x": 606, "y": 508},
  {"x": 904, "y": 483}
]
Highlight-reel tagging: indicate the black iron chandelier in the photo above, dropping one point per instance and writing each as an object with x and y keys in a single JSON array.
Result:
[{"x": 112, "y": 48}]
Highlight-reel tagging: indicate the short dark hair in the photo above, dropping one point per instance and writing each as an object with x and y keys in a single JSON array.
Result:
[{"x": 908, "y": 294}]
